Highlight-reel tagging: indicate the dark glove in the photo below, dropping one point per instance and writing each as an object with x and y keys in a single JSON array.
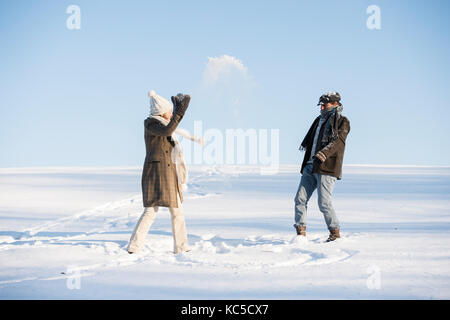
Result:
[{"x": 181, "y": 103}]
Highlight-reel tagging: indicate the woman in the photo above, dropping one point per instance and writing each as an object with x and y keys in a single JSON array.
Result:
[{"x": 164, "y": 175}]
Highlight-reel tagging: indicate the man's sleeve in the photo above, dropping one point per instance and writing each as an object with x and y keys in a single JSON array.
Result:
[{"x": 339, "y": 143}]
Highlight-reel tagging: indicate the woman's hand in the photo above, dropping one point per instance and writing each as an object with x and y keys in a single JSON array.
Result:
[{"x": 180, "y": 103}]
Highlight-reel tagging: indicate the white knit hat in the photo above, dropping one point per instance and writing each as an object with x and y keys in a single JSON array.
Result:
[{"x": 158, "y": 105}]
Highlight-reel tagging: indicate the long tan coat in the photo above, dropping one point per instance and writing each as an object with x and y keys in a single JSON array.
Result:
[{"x": 159, "y": 175}]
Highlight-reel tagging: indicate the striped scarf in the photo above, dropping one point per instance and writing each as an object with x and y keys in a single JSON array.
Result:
[{"x": 330, "y": 133}]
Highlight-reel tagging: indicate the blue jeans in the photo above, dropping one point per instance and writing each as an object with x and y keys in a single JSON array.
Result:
[{"x": 325, "y": 185}]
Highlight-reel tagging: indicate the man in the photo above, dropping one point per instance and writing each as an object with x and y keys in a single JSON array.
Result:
[{"x": 324, "y": 146}]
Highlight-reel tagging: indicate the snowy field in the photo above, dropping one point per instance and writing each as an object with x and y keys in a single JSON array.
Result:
[{"x": 64, "y": 231}]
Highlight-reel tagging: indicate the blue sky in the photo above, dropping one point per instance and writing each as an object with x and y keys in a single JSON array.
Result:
[{"x": 79, "y": 97}]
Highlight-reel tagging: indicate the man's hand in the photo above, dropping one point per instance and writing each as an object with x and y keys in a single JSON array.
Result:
[{"x": 319, "y": 155}]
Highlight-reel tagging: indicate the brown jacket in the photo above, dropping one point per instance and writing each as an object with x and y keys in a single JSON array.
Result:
[
  {"x": 334, "y": 151},
  {"x": 159, "y": 175}
]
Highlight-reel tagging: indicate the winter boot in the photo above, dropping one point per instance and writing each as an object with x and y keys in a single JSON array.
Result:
[
  {"x": 334, "y": 234},
  {"x": 301, "y": 230}
]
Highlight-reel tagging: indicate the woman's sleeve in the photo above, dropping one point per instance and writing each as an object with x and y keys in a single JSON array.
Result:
[{"x": 156, "y": 128}]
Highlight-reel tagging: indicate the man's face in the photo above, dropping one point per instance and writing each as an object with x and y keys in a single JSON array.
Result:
[{"x": 328, "y": 105}]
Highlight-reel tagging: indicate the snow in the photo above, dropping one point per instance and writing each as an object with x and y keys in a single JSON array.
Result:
[{"x": 64, "y": 231}]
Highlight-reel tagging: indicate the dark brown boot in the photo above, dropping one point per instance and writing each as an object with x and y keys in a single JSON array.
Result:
[
  {"x": 334, "y": 234},
  {"x": 301, "y": 230}
]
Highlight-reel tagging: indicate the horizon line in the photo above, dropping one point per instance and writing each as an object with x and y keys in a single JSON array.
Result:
[{"x": 216, "y": 165}]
